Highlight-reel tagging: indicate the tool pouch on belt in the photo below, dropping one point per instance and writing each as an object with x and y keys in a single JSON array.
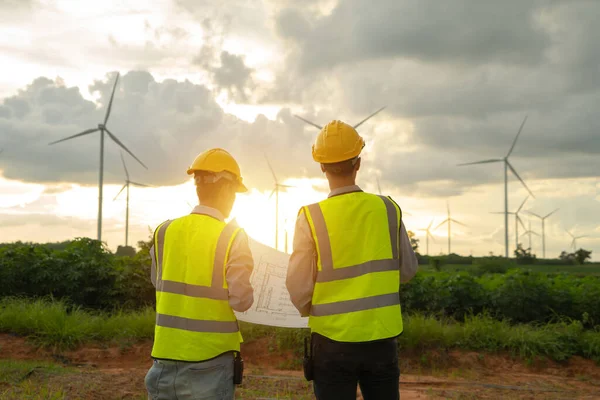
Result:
[
  {"x": 238, "y": 369},
  {"x": 308, "y": 360}
]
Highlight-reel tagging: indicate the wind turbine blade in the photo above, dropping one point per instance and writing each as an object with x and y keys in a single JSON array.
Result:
[
  {"x": 431, "y": 236},
  {"x": 86, "y": 132},
  {"x": 442, "y": 223},
  {"x": 499, "y": 212},
  {"x": 551, "y": 213},
  {"x": 522, "y": 204},
  {"x": 123, "y": 188},
  {"x": 112, "y": 95},
  {"x": 406, "y": 213},
  {"x": 460, "y": 223},
  {"x": 124, "y": 166},
  {"x": 429, "y": 227},
  {"x": 534, "y": 214},
  {"x": 369, "y": 117},
  {"x": 570, "y": 234},
  {"x": 525, "y": 233},
  {"x": 319, "y": 127},
  {"x": 272, "y": 171},
  {"x": 139, "y": 184},
  {"x": 521, "y": 222},
  {"x": 522, "y": 181},
  {"x": 285, "y": 186},
  {"x": 117, "y": 141},
  {"x": 517, "y": 137},
  {"x": 580, "y": 237},
  {"x": 272, "y": 193},
  {"x": 535, "y": 233},
  {"x": 481, "y": 162},
  {"x": 378, "y": 186}
]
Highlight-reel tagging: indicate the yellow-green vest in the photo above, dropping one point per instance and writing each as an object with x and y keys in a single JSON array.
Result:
[
  {"x": 194, "y": 321},
  {"x": 357, "y": 290}
]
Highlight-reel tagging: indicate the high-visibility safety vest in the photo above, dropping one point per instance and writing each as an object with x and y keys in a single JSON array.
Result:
[
  {"x": 356, "y": 296},
  {"x": 194, "y": 321}
]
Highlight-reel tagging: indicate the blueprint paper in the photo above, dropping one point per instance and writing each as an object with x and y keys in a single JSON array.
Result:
[{"x": 272, "y": 305}]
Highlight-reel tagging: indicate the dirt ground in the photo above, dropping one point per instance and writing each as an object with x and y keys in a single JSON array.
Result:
[{"x": 118, "y": 373}]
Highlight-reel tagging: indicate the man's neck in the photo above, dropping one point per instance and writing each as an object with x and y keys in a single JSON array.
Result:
[{"x": 341, "y": 182}]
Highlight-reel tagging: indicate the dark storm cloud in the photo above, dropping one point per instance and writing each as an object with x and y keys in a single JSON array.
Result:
[{"x": 457, "y": 32}]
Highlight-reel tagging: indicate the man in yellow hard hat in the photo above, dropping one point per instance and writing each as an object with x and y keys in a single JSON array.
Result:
[
  {"x": 201, "y": 269},
  {"x": 350, "y": 253}
]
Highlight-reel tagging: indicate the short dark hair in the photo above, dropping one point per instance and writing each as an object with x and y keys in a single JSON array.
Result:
[{"x": 342, "y": 168}]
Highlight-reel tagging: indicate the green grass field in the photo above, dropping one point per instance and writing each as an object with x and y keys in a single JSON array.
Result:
[{"x": 52, "y": 325}]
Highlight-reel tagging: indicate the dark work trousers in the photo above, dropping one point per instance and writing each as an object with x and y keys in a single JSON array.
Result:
[{"x": 339, "y": 367}]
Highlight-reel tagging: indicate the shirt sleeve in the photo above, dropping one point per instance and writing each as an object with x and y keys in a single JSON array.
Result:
[
  {"x": 153, "y": 266},
  {"x": 237, "y": 273},
  {"x": 302, "y": 267},
  {"x": 408, "y": 258}
]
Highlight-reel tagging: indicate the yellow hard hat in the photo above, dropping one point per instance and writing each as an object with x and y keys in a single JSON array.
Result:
[
  {"x": 218, "y": 160},
  {"x": 337, "y": 142}
]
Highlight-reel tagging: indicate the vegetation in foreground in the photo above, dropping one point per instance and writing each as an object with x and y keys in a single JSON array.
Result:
[
  {"x": 85, "y": 274},
  {"x": 52, "y": 324}
]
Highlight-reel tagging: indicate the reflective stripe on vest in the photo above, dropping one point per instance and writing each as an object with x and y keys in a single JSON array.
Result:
[
  {"x": 336, "y": 312},
  {"x": 194, "y": 321}
]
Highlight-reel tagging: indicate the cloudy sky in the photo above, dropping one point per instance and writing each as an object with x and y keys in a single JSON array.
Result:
[{"x": 458, "y": 78}]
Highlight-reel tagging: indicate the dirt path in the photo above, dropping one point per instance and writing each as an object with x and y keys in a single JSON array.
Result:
[{"x": 118, "y": 373}]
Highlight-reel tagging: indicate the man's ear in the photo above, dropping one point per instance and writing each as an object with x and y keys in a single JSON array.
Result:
[
  {"x": 358, "y": 163},
  {"x": 322, "y": 168}
]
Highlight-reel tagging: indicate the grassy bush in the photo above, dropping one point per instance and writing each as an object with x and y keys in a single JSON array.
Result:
[{"x": 52, "y": 324}]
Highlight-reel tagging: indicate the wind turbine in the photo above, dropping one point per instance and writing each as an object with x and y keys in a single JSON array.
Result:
[
  {"x": 126, "y": 186},
  {"x": 449, "y": 220},
  {"x": 529, "y": 232},
  {"x": 507, "y": 166},
  {"x": 574, "y": 242},
  {"x": 379, "y": 191},
  {"x": 518, "y": 221},
  {"x": 103, "y": 129},
  {"x": 276, "y": 192},
  {"x": 428, "y": 235},
  {"x": 355, "y": 126},
  {"x": 543, "y": 229}
]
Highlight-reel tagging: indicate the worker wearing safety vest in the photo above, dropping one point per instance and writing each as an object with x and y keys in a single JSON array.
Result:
[
  {"x": 350, "y": 253},
  {"x": 201, "y": 269}
]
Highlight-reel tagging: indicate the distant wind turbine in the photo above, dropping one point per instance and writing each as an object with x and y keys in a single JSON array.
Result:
[
  {"x": 379, "y": 191},
  {"x": 427, "y": 236},
  {"x": 449, "y": 221},
  {"x": 518, "y": 221},
  {"x": 126, "y": 186},
  {"x": 103, "y": 129},
  {"x": 529, "y": 232},
  {"x": 276, "y": 192},
  {"x": 355, "y": 126},
  {"x": 574, "y": 242},
  {"x": 507, "y": 166},
  {"x": 543, "y": 229}
]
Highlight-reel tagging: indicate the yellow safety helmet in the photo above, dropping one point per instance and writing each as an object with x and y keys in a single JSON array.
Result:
[
  {"x": 218, "y": 160},
  {"x": 337, "y": 141}
]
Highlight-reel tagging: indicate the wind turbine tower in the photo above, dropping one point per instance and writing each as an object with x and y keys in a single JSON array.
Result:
[
  {"x": 507, "y": 166},
  {"x": 427, "y": 236},
  {"x": 529, "y": 232},
  {"x": 543, "y": 228},
  {"x": 103, "y": 129},
  {"x": 276, "y": 192},
  {"x": 449, "y": 221},
  {"x": 518, "y": 221},
  {"x": 126, "y": 186},
  {"x": 574, "y": 242}
]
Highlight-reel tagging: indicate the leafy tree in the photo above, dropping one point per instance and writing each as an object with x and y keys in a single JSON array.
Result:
[
  {"x": 581, "y": 256},
  {"x": 524, "y": 256},
  {"x": 125, "y": 251},
  {"x": 414, "y": 242}
]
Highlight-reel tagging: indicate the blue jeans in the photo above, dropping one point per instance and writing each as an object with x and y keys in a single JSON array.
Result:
[{"x": 179, "y": 380}]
